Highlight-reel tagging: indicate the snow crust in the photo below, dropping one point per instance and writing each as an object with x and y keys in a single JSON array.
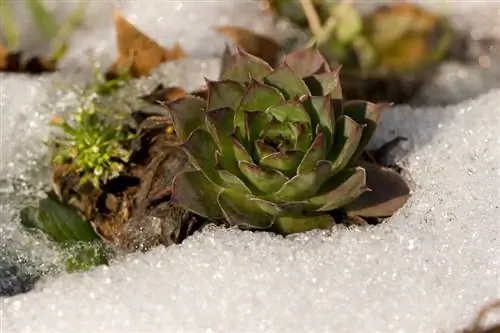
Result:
[{"x": 429, "y": 269}]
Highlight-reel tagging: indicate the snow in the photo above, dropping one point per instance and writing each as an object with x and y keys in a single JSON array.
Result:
[{"x": 428, "y": 269}]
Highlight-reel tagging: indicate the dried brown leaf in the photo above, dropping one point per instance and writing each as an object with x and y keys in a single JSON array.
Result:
[
  {"x": 137, "y": 52},
  {"x": 258, "y": 45}
]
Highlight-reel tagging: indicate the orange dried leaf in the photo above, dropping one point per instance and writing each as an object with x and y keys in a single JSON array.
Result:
[
  {"x": 260, "y": 46},
  {"x": 137, "y": 52}
]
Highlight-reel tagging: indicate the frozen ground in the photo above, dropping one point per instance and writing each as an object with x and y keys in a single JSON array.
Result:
[{"x": 429, "y": 269}]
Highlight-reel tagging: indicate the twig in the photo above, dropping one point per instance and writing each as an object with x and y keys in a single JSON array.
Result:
[{"x": 312, "y": 17}]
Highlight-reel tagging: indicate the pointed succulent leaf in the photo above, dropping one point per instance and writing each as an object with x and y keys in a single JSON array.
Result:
[
  {"x": 289, "y": 208},
  {"x": 341, "y": 189},
  {"x": 232, "y": 182},
  {"x": 266, "y": 181},
  {"x": 200, "y": 148},
  {"x": 365, "y": 113},
  {"x": 225, "y": 93},
  {"x": 240, "y": 153},
  {"x": 194, "y": 192},
  {"x": 304, "y": 137},
  {"x": 286, "y": 162},
  {"x": 289, "y": 111},
  {"x": 325, "y": 84},
  {"x": 59, "y": 221},
  {"x": 303, "y": 186},
  {"x": 294, "y": 224},
  {"x": 388, "y": 193},
  {"x": 317, "y": 152},
  {"x": 188, "y": 114},
  {"x": 321, "y": 112},
  {"x": 220, "y": 125},
  {"x": 347, "y": 138},
  {"x": 239, "y": 210},
  {"x": 257, "y": 122},
  {"x": 262, "y": 150},
  {"x": 243, "y": 67},
  {"x": 260, "y": 96},
  {"x": 306, "y": 62},
  {"x": 286, "y": 81}
]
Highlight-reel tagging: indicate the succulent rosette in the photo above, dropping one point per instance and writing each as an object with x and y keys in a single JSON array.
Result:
[{"x": 274, "y": 148}]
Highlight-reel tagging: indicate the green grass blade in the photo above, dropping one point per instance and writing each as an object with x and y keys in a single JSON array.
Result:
[
  {"x": 44, "y": 19},
  {"x": 8, "y": 25}
]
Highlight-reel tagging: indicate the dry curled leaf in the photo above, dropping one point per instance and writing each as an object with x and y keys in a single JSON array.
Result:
[
  {"x": 137, "y": 52},
  {"x": 260, "y": 46},
  {"x": 476, "y": 325}
]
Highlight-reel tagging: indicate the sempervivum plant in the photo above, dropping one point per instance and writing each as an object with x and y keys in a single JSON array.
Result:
[{"x": 278, "y": 149}]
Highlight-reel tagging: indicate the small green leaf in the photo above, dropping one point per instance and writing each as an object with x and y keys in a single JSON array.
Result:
[
  {"x": 306, "y": 62},
  {"x": 196, "y": 193},
  {"x": 232, "y": 182},
  {"x": 294, "y": 224},
  {"x": 256, "y": 122},
  {"x": 348, "y": 136},
  {"x": 388, "y": 193},
  {"x": 303, "y": 186},
  {"x": 266, "y": 181},
  {"x": 341, "y": 189},
  {"x": 317, "y": 152},
  {"x": 289, "y": 111},
  {"x": 240, "y": 211},
  {"x": 286, "y": 161},
  {"x": 188, "y": 114},
  {"x": 320, "y": 110},
  {"x": 242, "y": 67},
  {"x": 222, "y": 94},
  {"x": 286, "y": 81},
  {"x": 364, "y": 113},
  {"x": 59, "y": 221},
  {"x": 262, "y": 150},
  {"x": 46, "y": 22},
  {"x": 260, "y": 96},
  {"x": 200, "y": 148}
]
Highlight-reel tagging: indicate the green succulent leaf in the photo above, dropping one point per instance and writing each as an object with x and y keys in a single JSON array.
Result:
[
  {"x": 294, "y": 224},
  {"x": 285, "y": 161},
  {"x": 317, "y": 152},
  {"x": 243, "y": 67},
  {"x": 367, "y": 114},
  {"x": 195, "y": 192},
  {"x": 347, "y": 140},
  {"x": 59, "y": 221},
  {"x": 221, "y": 124},
  {"x": 188, "y": 114},
  {"x": 266, "y": 181},
  {"x": 321, "y": 113},
  {"x": 239, "y": 210},
  {"x": 306, "y": 62},
  {"x": 232, "y": 182},
  {"x": 325, "y": 84},
  {"x": 340, "y": 190},
  {"x": 287, "y": 82},
  {"x": 262, "y": 150},
  {"x": 224, "y": 94},
  {"x": 259, "y": 97},
  {"x": 82, "y": 256},
  {"x": 303, "y": 186},
  {"x": 240, "y": 151},
  {"x": 289, "y": 111},
  {"x": 388, "y": 193},
  {"x": 200, "y": 148},
  {"x": 257, "y": 123}
]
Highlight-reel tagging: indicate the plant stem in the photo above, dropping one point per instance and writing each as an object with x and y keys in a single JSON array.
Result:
[{"x": 312, "y": 17}]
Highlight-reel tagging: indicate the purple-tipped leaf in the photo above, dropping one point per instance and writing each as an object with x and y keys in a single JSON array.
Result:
[
  {"x": 188, "y": 114},
  {"x": 239, "y": 210},
  {"x": 266, "y": 181},
  {"x": 201, "y": 151},
  {"x": 321, "y": 113},
  {"x": 325, "y": 84},
  {"x": 306, "y": 62},
  {"x": 286, "y": 81},
  {"x": 347, "y": 139},
  {"x": 262, "y": 150},
  {"x": 222, "y": 94},
  {"x": 388, "y": 193},
  {"x": 303, "y": 186},
  {"x": 243, "y": 67},
  {"x": 368, "y": 114},
  {"x": 317, "y": 152},
  {"x": 342, "y": 193},
  {"x": 260, "y": 96},
  {"x": 196, "y": 193}
]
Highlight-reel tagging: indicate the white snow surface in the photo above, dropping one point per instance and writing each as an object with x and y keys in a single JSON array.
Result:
[{"x": 430, "y": 268}]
